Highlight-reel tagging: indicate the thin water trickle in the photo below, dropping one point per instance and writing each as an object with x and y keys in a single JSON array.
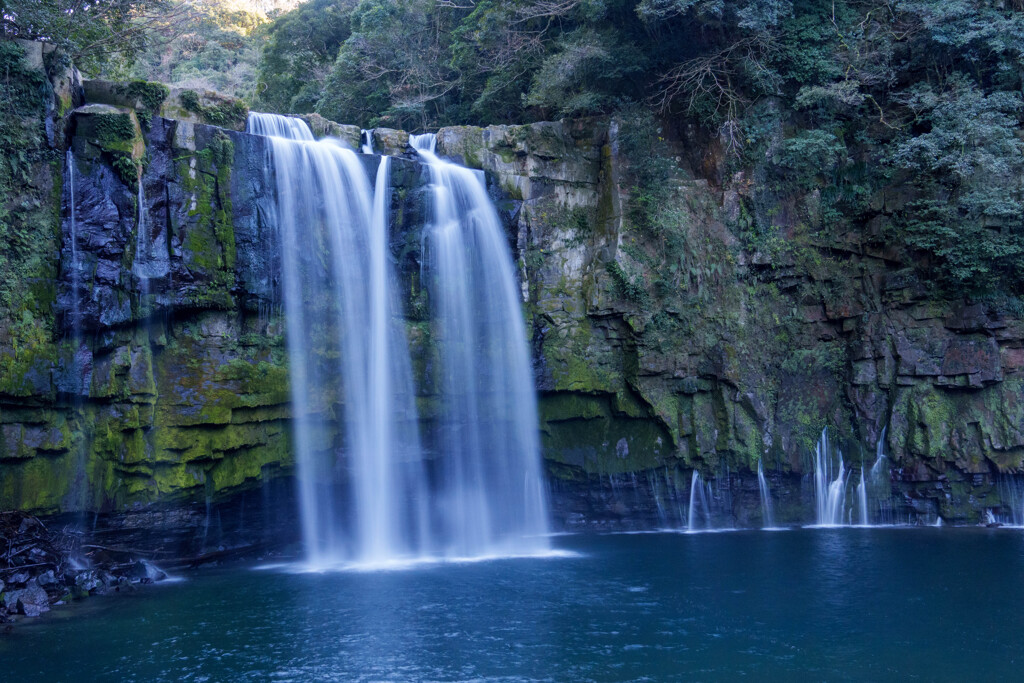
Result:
[
  {"x": 152, "y": 259},
  {"x": 767, "y": 510},
  {"x": 879, "y": 470},
  {"x": 862, "y": 500},
  {"x": 80, "y": 485},
  {"x": 76, "y": 275}
]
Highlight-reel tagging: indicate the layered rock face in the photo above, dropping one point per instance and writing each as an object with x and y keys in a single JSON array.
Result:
[
  {"x": 748, "y": 354},
  {"x": 148, "y": 368}
]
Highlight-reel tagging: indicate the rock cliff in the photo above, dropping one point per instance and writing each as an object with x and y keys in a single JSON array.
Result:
[{"x": 142, "y": 357}]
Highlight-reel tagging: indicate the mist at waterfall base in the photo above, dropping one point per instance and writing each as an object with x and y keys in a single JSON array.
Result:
[
  {"x": 379, "y": 501},
  {"x": 821, "y": 604}
]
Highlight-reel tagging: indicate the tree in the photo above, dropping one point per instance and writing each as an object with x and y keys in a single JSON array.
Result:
[{"x": 94, "y": 32}]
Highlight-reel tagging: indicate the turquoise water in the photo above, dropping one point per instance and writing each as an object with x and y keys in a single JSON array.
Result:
[{"x": 814, "y": 604}]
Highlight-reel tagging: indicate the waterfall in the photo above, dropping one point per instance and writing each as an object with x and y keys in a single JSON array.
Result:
[
  {"x": 369, "y": 499},
  {"x": 79, "y": 356},
  {"x": 880, "y": 485},
  {"x": 152, "y": 260},
  {"x": 424, "y": 142},
  {"x": 829, "y": 491},
  {"x": 766, "y": 498},
  {"x": 338, "y": 293},
  {"x": 878, "y": 470},
  {"x": 491, "y": 492},
  {"x": 1011, "y": 491},
  {"x": 699, "y": 505},
  {"x": 862, "y": 500},
  {"x": 366, "y": 141},
  {"x": 76, "y": 313}
]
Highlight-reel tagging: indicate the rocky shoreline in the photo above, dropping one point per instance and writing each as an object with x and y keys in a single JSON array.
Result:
[
  {"x": 53, "y": 566},
  {"x": 62, "y": 559}
]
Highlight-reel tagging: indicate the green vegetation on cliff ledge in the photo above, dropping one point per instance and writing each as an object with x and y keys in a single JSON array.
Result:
[{"x": 223, "y": 112}]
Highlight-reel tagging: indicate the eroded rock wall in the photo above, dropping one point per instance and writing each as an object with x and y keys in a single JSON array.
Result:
[
  {"x": 147, "y": 365},
  {"x": 651, "y": 368}
]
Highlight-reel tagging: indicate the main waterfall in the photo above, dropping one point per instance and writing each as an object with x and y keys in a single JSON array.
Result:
[
  {"x": 377, "y": 498},
  {"x": 338, "y": 294},
  {"x": 490, "y": 494}
]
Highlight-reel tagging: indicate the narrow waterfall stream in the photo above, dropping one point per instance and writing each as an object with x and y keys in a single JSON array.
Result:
[
  {"x": 152, "y": 259},
  {"x": 76, "y": 274},
  {"x": 376, "y": 500},
  {"x": 829, "y": 488},
  {"x": 80, "y": 483},
  {"x": 767, "y": 510},
  {"x": 699, "y": 515}
]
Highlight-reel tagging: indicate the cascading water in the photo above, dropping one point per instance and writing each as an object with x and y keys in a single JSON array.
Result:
[
  {"x": 1011, "y": 490},
  {"x": 424, "y": 142},
  {"x": 488, "y": 497},
  {"x": 80, "y": 486},
  {"x": 862, "y": 500},
  {"x": 879, "y": 488},
  {"x": 152, "y": 259},
  {"x": 829, "y": 491},
  {"x": 879, "y": 470},
  {"x": 76, "y": 274},
  {"x": 766, "y": 497},
  {"x": 366, "y": 141},
  {"x": 490, "y": 493},
  {"x": 700, "y": 509},
  {"x": 333, "y": 240}
]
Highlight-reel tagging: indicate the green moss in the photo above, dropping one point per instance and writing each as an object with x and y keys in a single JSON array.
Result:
[
  {"x": 210, "y": 241},
  {"x": 569, "y": 405},
  {"x": 37, "y": 485},
  {"x": 150, "y": 94},
  {"x": 115, "y": 131},
  {"x": 225, "y": 112},
  {"x": 25, "y": 365}
]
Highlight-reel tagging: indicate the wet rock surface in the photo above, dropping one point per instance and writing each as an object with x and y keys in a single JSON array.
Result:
[{"x": 147, "y": 373}]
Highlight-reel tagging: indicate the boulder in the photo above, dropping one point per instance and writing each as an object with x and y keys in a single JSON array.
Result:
[
  {"x": 19, "y": 578},
  {"x": 390, "y": 141},
  {"x": 325, "y": 128},
  {"x": 47, "y": 578},
  {"x": 88, "y": 581},
  {"x": 33, "y": 601},
  {"x": 10, "y": 599}
]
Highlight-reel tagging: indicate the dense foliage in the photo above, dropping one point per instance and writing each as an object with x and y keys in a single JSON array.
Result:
[
  {"x": 96, "y": 33},
  {"x": 836, "y": 98},
  {"x": 217, "y": 49},
  {"x": 840, "y": 98}
]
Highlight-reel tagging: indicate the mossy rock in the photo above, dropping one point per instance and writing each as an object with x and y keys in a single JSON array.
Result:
[
  {"x": 206, "y": 107},
  {"x": 390, "y": 141},
  {"x": 143, "y": 96},
  {"x": 325, "y": 128}
]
